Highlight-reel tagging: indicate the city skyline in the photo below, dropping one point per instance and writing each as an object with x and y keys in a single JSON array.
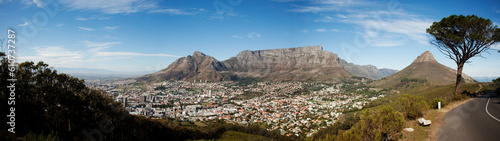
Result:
[{"x": 142, "y": 35}]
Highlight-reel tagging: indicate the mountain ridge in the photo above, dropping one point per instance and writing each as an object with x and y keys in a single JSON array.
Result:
[{"x": 309, "y": 63}]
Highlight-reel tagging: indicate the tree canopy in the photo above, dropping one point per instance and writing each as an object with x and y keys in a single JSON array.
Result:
[{"x": 463, "y": 37}]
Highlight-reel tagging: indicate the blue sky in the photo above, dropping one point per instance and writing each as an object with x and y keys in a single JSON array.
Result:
[{"x": 148, "y": 35}]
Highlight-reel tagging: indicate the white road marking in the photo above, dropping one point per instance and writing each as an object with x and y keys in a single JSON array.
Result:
[{"x": 489, "y": 112}]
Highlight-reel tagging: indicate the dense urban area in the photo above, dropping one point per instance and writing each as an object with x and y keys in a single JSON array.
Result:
[{"x": 292, "y": 108}]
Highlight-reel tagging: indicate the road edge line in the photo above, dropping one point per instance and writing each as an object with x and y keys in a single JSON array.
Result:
[{"x": 489, "y": 112}]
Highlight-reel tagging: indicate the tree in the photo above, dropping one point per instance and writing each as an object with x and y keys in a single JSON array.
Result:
[
  {"x": 496, "y": 82},
  {"x": 463, "y": 37}
]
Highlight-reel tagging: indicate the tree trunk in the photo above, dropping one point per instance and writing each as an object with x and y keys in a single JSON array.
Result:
[{"x": 459, "y": 78}]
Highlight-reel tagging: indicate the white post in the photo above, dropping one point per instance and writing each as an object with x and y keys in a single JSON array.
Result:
[{"x": 439, "y": 105}]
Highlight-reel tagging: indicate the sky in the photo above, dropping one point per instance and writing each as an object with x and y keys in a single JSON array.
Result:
[{"x": 148, "y": 35}]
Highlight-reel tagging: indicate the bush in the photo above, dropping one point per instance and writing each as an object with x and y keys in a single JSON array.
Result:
[
  {"x": 413, "y": 106},
  {"x": 41, "y": 137},
  {"x": 384, "y": 125},
  {"x": 435, "y": 101},
  {"x": 392, "y": 123},
  {"x": 496, "y": 82}
]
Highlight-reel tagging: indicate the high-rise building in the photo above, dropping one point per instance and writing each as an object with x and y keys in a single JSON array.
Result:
[
  {"x": 125, "y": 101},
  {"x": 142, "y": 99}
]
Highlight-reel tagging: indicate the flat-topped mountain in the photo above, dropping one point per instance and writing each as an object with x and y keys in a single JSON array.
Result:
[
  {"x": 300, "y": 64},
  {"x": 424, "y": 67},
  {"x": 310, "y": 63},
  {"x": 276, "y": 59}
]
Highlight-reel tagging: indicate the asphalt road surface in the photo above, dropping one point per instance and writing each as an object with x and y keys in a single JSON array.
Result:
[{"x": 473, "y": 121}]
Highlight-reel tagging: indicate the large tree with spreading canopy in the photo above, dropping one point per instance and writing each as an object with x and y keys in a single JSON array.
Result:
[{"x": 463, "y": 37}]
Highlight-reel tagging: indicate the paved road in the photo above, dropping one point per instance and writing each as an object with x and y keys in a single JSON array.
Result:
[{"x": 471, "y": 121}]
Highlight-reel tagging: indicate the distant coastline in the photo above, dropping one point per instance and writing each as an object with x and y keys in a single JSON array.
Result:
[{"x": 485, "y": 79}]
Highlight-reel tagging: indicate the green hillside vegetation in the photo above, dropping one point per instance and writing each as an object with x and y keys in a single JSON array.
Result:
[
  {"x": 383, "y": 124},
  {"x": 413, "y": 101},
  {"x": 238, "y": 136}
]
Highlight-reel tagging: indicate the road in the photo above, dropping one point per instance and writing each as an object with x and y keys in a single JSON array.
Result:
[{"x": 473, "y": 120}]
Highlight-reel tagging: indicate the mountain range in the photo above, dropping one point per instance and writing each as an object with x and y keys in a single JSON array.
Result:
[{"x": 310, "y": 63}]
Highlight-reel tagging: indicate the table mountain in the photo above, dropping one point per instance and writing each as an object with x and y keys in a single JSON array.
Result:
[
  {"x": 310, "y": 63},
  {"x": 424, "y": 67}
]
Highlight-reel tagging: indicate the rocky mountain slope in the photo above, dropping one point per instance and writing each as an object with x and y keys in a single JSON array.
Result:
[
  {"x": 196, "y": 66},
  {"x": 368, "y": 71},
  {"x": 424, "y": 67},
  {"x": 310, "y": 63}
]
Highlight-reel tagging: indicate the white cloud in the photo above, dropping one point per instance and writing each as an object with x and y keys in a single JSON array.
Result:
[
  {"x": 57, "y": 51},
  {"x": 110, "y": 6},
  {"x": 237, "y": 37},
  {"x": 321, "y": 30},
  {"x": 56, "y": 56},
  {"x": 287, "y": 0},
  {"x": 341, "y": 16},
  {"x": 253, "y": 35},
  {"x": 110, "y": 37},
  {"x": 110, "y": 27},
  {"x": 59, "y": 56},
  {"x": 326, "y": 30},
  {"x": 103, "y": 18},
  {"x": 202, "y": 10},
  {"x": 39, "y": 3},
  {"x": 336, "y": 2},
  {"x": 388, "y": 28},
  {"x": 313, "y": 9},
  {"x": 130, "y": 54},
  {"x": 59, "y": 24},
  {"x": 412, "y": 28},
  {"x": 304, "y": 31},
  {"x": 98, "y": 46},
  {"x": 23, "y": 24},
  {"x": 171, "y": 12},
  {"x": 90, "y": 18},
  {"x": 250, "y": 35},
  {"x": 391, "y": 27},
  {"x": 1, "y": 1},
  {"x": 325, "y": 19},
  {"x": 81, "y": 19},
  {"x": 85, "y": 28},
  {"x": 315, "y": 6}
]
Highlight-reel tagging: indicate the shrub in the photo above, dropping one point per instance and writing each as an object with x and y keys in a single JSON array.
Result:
[
  {"x": 463, "y": 96},
  {"x": 435, "y": 101},
  {"x": 413, "y": 106},
  {"x": 41, "y": 137},
  {"x": 496, "y": 82},
  {"x": 392, "y": 123},
  {"x": 383, "y": 125}
]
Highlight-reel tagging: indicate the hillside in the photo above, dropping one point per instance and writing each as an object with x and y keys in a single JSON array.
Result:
[
  {"x": 423, "y": 69},
  {"x": 310, "y": 63},
  {"x": 368, "y": 71}
]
